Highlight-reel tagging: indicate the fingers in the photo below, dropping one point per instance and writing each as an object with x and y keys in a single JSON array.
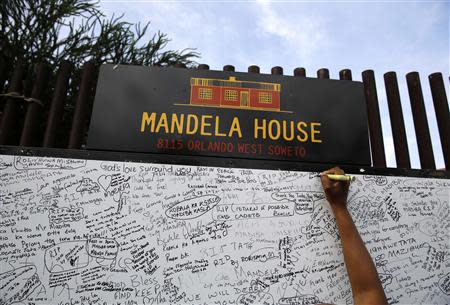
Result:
[
  {"x": 326, "y": 182},
  {"x": 335, "y": 191},
  {"x": 334, "y": 170},
  {"x": 331, "y": 171}
]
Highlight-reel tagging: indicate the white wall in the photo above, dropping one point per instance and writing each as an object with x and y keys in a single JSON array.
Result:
[{"x": 94, "y": 232}]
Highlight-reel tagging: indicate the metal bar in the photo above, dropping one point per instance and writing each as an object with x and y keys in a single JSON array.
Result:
[
  {"x": 253, "y": 69},
  {"x": 57, "y": 105},
  {"x": 81, "y": 107},
  {"x": 277, "y": 70},
  {"x": 323, "y": 73},
  {"x": 373, "y": 115},
  {"x": 442, "y": 113},
  {"x": 31, "y": 122},
  {"x": 397, "y": 122},
  {"x": 11, "y": 104},
  {"x": 345, "y": 74},
  {"x": 228, "y": 68},
  {"x": 300, "y": 72},
  {"x": 420, "y": 121},
  {"x": 203, "y": 67}
]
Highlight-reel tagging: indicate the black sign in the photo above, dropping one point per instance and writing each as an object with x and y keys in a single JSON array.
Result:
[{"x": 229, "y": 114}]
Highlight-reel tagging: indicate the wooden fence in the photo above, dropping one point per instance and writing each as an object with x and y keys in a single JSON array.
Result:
[{"x": 36, "y": 106}]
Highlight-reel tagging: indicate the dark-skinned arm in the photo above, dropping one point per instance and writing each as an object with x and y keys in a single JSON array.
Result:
[{"x": 363, "y": 275}]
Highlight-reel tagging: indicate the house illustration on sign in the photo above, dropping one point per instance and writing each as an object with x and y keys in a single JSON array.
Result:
[{"x": 232, "y": 93}]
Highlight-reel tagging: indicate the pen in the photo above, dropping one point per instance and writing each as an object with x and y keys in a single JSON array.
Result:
[{"x": 339, "y": 177}]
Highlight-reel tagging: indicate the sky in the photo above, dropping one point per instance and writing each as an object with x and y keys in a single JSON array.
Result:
[{"x": 400, "y": 36}]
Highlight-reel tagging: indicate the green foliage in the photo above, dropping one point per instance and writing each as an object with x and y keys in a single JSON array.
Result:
[
  {"x": 51, "y": 31},
  {"x": 76, "y": 30}
]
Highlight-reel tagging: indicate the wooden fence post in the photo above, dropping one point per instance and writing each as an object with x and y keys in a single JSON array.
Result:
[
  {"x": 29, "y": 131},
  {"x": 373, "y": 115},
  {"x": 11, "y": 104},
  {"x": 397, "y": 122},
  {"x": 420, "y": 121},
  {"x": 55, "y": 113},
  {"x": 442, "y": 114},
  {"x": 323, "y": 73},
  {"x": 300, "y": 72},
  {"x": 203, "y": 67},
  {"x": 345, "y": 74},
  {"x": 277, "y": 70},
  {"x": 3, "y": 73},
  {"x": 253, "y": 69},
  {"x": 228, "y": 68},
  {"x": 78, "y": 125}
]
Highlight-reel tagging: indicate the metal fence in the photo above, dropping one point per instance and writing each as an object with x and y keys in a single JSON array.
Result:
[{"x": 46, "y": 109}]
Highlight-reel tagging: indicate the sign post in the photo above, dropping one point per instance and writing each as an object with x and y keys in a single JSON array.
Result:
[{"x": 229, "y": 114}]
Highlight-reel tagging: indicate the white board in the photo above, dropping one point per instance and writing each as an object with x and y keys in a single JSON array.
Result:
[{"x": 95, "y": 232}]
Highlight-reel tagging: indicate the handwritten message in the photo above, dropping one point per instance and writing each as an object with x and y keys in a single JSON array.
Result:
[{"x": 122, "y": 233}]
